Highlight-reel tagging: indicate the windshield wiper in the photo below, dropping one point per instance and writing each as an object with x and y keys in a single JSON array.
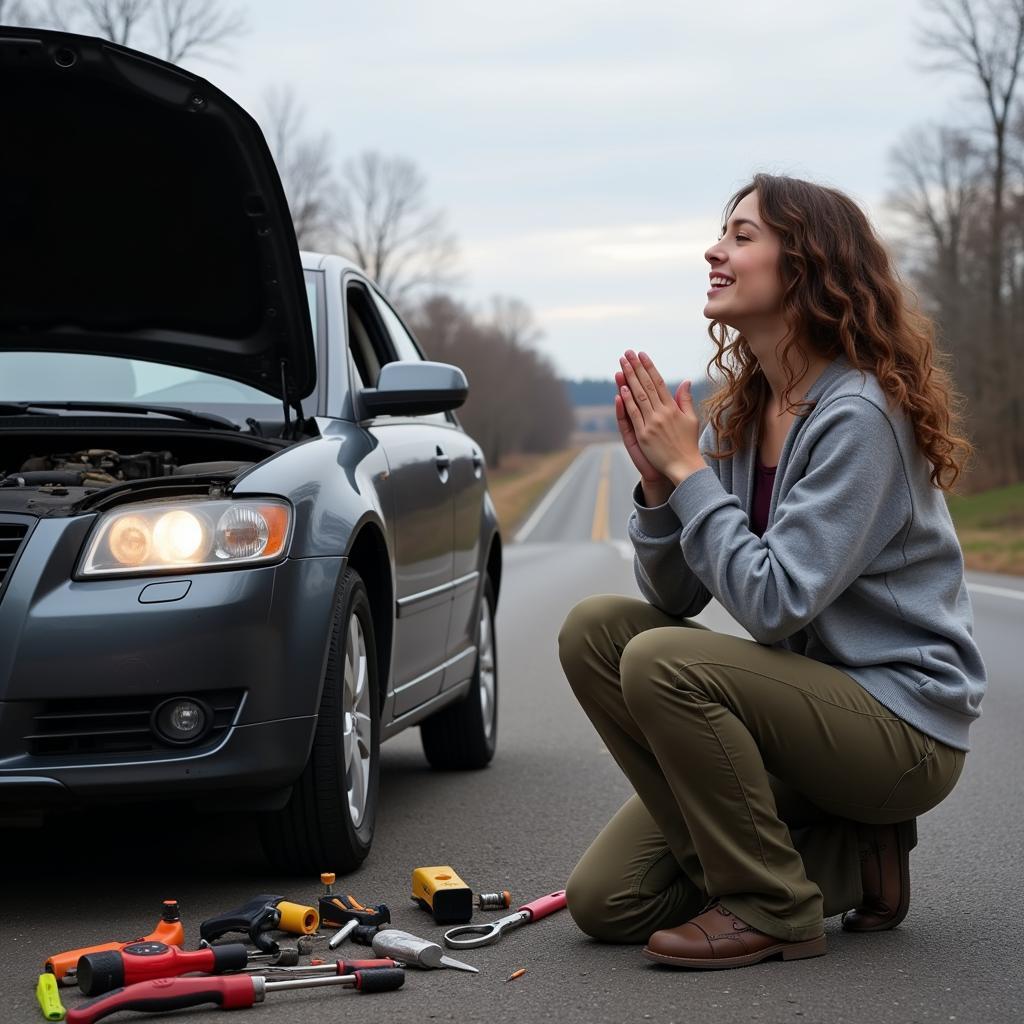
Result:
[{"x": 207, "y": 419}]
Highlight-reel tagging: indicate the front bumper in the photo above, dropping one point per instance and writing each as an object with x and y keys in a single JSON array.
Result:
[{"x": 81, "y": 661}]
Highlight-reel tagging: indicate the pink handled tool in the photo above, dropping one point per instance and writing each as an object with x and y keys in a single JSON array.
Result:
[{"x": 468, "y": 935}]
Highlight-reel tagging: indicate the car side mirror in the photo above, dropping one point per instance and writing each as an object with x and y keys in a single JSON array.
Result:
[{"x": 414, "y": 388}]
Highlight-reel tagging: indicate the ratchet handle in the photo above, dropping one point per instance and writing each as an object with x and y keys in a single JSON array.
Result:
[
  {"x": 544, "y": 905},
  {"x": 229, "y": 992}
]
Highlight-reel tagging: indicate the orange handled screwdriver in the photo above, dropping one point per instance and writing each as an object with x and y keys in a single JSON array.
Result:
[{"x": 227, "y": 991}]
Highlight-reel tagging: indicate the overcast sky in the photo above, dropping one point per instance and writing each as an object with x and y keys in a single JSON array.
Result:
[{"x": 584, "y": 150}]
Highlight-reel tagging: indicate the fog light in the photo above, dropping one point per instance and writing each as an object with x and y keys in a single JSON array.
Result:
[{"x": 181, "y": 720}]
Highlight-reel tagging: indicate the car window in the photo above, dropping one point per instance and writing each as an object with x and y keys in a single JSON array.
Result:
[
  {"x": 374, "y": 343},
  {"x": 405, "y": 346}
]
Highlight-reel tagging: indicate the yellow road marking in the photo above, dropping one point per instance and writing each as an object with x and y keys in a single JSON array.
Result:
[{"x": 599, "y": 529}]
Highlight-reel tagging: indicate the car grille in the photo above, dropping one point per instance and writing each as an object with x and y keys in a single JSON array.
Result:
[
  {"x": 119, "y": 725},
  {"x": 11, "y": 537}
]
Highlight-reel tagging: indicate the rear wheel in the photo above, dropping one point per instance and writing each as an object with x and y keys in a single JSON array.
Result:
[
  {"x": 465, "y": 734},
  {"x": 328, "y": 822}
]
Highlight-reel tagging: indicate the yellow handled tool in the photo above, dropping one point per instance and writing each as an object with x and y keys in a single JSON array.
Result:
[
  {"x": 443, "y": 893},
  {"x": 49, "y": 999}
]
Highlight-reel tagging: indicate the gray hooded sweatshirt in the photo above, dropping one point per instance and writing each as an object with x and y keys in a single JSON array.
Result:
[{"x": 859, "y": 566}]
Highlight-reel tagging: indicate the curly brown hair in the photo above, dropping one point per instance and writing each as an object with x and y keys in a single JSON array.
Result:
[{"x": 842, "y": 294}]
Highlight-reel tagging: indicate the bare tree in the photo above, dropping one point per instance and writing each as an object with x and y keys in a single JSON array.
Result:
[
  {"x": 192, "y": 28},
  {"x": 386, "y": 226},
  {"x": 304, "y": 163},
  {"x": 985, "y": 39},
  {"x": 116, "y": 19}
]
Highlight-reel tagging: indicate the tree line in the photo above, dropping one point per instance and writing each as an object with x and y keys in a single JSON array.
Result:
[
  {"x": 372, "y": 209},
  {"x": 960, "y": 190}
]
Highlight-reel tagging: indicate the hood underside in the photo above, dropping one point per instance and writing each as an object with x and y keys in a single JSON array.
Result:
[{"x": 141, "y": 215}]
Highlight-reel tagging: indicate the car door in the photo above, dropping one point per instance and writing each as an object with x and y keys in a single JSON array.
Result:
[
  {"x": 467, "y": 484},
  {"x": 418, "y": 454}
]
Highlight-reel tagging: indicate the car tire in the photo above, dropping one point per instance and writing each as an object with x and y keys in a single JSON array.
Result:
[
  {"x": 464, "y": 735},
  {"x": 328, "y": 823}
]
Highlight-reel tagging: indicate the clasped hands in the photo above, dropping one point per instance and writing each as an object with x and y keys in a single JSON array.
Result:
[{"x": 659, "y": 431}]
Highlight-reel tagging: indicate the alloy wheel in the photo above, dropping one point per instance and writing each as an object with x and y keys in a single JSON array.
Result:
[{"x": 356, "y": 721}]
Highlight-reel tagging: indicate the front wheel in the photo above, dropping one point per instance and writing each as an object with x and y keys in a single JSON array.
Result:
[
  {"x": 328, "y": 822},
  {"x": 465, "y": 734}
]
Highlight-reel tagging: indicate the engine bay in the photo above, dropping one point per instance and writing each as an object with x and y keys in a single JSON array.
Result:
[
  {"x": 101, "y": 467},
  {"x": 51, "y": 472}
]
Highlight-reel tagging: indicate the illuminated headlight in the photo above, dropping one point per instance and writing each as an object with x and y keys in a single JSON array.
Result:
[{"x": 186, "y": 535}]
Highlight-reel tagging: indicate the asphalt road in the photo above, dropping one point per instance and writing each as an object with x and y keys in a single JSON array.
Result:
[{"x": 522, "y": 823}]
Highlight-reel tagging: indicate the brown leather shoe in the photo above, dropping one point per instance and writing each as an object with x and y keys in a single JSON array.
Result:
[
  {"x": 717, "y": 938},
  {"x": 885, "y": 876}
]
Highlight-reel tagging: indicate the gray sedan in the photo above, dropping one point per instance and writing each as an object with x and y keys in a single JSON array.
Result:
[{"x": 243, "y": 536}]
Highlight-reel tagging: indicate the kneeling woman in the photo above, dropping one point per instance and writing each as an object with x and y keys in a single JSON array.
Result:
[{"x": 777, "y": 781}]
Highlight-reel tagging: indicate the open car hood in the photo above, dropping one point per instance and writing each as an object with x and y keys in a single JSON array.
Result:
[{"x": 141, "y": 215}]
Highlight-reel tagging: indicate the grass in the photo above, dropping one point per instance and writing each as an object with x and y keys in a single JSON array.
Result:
[
  {"x": 520, "y": 482},
  {"x": 991, "y": 529}
]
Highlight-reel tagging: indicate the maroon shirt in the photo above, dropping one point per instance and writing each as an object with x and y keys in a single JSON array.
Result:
[{"x": 764, "y": 481}]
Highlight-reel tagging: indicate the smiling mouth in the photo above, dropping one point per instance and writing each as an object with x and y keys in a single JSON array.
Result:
[{"x": 719, "y": 284}]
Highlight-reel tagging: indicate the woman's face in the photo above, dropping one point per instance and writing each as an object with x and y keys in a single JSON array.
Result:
[{"x": 745, "y": 285}]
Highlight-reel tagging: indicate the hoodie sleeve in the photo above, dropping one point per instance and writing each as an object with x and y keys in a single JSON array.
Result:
[
  {"x": 853, "y": 498},
  {"x": 657, "y": 556}
]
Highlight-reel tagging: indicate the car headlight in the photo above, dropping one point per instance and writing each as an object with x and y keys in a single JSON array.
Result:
[{"x": 186, "y": 535}]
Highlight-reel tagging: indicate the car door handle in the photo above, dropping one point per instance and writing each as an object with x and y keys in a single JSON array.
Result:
[
  {"x": 441, "y": 460},
  {"x": 478, "y": 463}
]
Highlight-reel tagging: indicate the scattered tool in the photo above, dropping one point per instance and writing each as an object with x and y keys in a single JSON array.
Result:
[
  {"x": 516, "y": 974},
  {"x": 494, "y": 900},
  {"x": 441, "y": 891},
  {"x": 228, "y": 991},
  {"x": 469, "y": 935},
  {"x": 343, "y": 933},
  {"x": 143, "y": 961},
  {"x": 49, "y": 997},
  {"x": 336, "y": 910},
  {"x": 338, "y": 967},
  {"x": 258, "y": 916},
  {"x": 169, "y": 929},
  {"x": 414, "y": 951}
]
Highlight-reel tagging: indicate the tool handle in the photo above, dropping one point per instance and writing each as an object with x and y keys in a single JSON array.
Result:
[
  {"x": 380, "y": 979},
  {"x": 143, "y": 961},
  {"x": 230, "y": 992},
  {"x": 348, "y": 966},
  {"x": 544, "y": 905}
]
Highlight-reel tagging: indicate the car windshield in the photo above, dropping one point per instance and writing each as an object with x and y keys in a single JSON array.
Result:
[{"x": 75, "y": 377}]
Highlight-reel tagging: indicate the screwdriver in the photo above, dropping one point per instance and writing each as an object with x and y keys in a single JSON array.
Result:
[
  {"x": 337, "y": 967},
  {"x": 414, "y": 951},
  {"x": 229, "y": 992}
]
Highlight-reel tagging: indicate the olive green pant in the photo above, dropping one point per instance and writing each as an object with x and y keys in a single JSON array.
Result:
[{"x": 751, "y": 766}]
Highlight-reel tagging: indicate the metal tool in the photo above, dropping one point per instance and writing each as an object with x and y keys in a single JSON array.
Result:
[
  {"x": 64, "y": 966},
  {"x": 468, "y": 936},
  {"x": 228, "y": 991},
  {"x": 440, "y": 891},
  {"x": 494, "y": 900},
  {"x": 337, "y": 967},
  {"x": 342, "y": 934},
  {"x": 414, "y": 951},
  {"x": 337, "y": 909},
  {"x": 286, "y": 956}
]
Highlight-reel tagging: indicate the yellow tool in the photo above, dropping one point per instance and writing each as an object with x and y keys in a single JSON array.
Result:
[
  {"x": 49, "y": 1000},
  {"x": 443, "y": 893}
]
